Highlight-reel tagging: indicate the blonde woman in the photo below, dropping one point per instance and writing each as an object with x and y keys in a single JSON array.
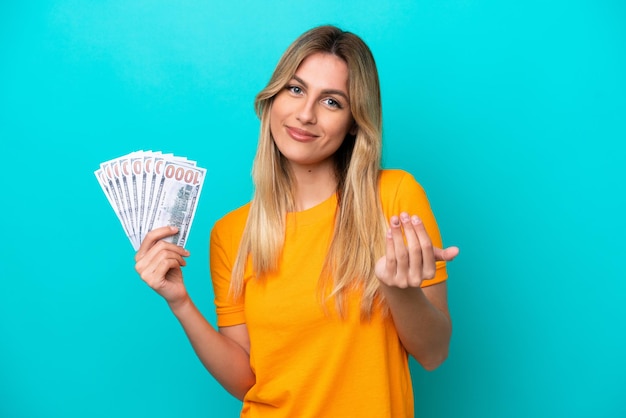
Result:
[{"x": 334, "y": 273}]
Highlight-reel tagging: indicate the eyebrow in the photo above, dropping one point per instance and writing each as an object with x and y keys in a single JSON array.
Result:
[{"x": 328, "y": 91}]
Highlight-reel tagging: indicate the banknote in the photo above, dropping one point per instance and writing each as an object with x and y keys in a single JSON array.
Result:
[
  {"x": 176, "y": 199},
  {"x": 150, "y": 189},
  {"x": 112, "y": 172}
]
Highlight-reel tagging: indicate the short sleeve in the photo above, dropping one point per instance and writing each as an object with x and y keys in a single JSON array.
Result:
[
  {"x": 400, "y": 192},
  {"x": 224, "y": 244}
]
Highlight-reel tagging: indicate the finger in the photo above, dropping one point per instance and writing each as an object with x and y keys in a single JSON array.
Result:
[
  {"x": 414, "y": 248},
  {"x": 386, "y": 265},
  {"x": 154, "y": 236},
  {"x": 149, "y": 269},
  {"x": 446, "y": 254},
  {"x": 163, "y": 245},
  {"x": 428, "y": 267},
  {"x": 158, "y": 251},
  {"x": 155, "y": 279},
  {"x": 170, "y": 255},
  {"x": 401, "y": 252}
]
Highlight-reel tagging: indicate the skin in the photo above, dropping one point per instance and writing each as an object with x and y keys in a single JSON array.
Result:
[
  {"x": 309, "y": 120},
  {"x": 224, "y": 354},
  {"x": 420, "y": 315}
]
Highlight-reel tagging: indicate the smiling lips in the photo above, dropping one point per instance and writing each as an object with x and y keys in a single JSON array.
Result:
[{"x": 300, "y": 135}]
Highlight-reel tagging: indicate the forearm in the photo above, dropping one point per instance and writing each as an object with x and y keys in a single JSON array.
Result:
[
  {"x": 424, "y": 329},
  {"x": 225, "y": 359}
]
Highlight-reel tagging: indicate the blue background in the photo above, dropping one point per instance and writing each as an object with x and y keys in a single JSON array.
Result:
[{"x": 511, "y": 114}]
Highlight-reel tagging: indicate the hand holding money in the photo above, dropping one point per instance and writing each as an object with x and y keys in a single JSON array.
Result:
[
  {"x": 159, "y": 263},
  {"x": 148, "y": 190}
]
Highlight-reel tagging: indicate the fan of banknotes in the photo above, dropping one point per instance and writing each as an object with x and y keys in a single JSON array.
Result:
[{"x": 150, "y": 189}]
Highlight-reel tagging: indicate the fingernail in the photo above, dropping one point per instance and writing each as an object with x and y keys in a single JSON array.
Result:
[
  {"x": 405, "y": 217},
  {"x": 416, "y": 220},
  {"x": 395, "y": 221}
]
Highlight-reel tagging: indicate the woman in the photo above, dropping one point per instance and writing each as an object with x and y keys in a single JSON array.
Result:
[{"x": 334, "y": 272}]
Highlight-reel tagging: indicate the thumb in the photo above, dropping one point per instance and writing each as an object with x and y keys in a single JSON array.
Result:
[{"x": 446, "y": 254}]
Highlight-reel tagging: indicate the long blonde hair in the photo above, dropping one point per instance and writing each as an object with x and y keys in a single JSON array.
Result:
[{"x": 358, "y": 238}]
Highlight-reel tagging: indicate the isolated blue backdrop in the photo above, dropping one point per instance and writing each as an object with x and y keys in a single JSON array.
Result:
[{"x": 511, "y": 114}]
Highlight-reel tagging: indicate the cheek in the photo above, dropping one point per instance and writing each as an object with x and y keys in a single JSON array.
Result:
[
  {"x": 277, "y": 112},
  {"x": 342, "y": 127}
]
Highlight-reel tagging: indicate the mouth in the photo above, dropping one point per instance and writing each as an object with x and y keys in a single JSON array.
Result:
[{"x": 300, "y": 135}]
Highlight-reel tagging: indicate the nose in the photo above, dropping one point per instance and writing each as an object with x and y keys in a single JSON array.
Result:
[{"x": 306, "y": 112}]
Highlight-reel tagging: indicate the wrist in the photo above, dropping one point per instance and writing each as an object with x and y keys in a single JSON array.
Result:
[
  {"x": 392, "y": 290},
  {"x": 402, "y": 295},
  {"x": 180, "y": 305}
]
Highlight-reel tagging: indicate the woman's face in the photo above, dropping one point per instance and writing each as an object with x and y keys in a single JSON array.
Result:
[{"x": 311, "y": 116}]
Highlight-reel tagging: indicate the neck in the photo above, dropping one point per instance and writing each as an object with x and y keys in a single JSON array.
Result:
[{"x": 313, "y": 185}]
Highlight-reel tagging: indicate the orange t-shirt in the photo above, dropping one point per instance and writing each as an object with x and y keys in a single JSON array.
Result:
[{"x": 308, "y": 363}]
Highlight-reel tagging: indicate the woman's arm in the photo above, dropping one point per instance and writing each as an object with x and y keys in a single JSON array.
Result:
[
  {"x": 224, "y": 354},
  {"x": 420, "y": 314},
  {"x": 422, "y": 320}
]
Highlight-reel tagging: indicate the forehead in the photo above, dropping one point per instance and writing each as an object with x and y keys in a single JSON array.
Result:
[{"x": 325, "y": 71}]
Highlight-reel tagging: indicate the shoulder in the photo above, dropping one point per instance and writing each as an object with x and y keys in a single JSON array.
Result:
[
  {"x": 394, "y": 181},
  {"x": 234, "y": 217},
  {"x": 231, "y": 225},
  {"x": 399, "y": 191}
]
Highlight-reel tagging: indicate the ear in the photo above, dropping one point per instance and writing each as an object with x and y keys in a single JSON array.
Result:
[{"x": 354, "y": 129}]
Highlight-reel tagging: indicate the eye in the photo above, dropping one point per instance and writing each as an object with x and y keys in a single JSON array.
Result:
[
  {"x": 297, "y": 90},
  {"x": 332, "y": 103}
]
